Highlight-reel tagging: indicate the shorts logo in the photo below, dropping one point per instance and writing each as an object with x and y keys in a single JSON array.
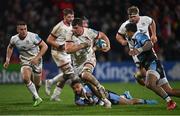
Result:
[{"x": 27, "y": 42}]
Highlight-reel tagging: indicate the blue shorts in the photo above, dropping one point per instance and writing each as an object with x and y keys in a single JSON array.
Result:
[
  {"x": 113, "y": 98},
  {"x": 154, "y": 65},
  {"x": 157, "y": 66}
]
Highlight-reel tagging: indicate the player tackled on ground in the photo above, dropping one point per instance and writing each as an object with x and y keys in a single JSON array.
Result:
[{"x": 86, "y": 94}]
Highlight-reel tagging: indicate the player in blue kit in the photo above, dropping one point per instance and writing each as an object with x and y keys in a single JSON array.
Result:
[
  {"x": 85, "y": 94},
  {"x": 142, "y": 49}
]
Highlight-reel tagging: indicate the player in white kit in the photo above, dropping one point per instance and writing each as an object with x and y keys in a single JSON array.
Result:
[
  {"x": 144, "y": 24},
  {"x": 31, "y": 48},
  {"x": 80, "y": 43},
  {"x": 57, "y": 91},
  {"x": 63, "y": 60}
]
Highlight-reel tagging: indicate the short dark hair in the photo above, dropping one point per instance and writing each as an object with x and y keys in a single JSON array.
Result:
[
  {"x": 85, "y": 18},
  {"x": 131, "y": 27},
  {"x": 21, "y": 23},
  {"x": 133, "y": 10},
  {"x": 75, "y": 82},
  {"x": 77, "y": 21},
  {"x": 67, "y": 11}
]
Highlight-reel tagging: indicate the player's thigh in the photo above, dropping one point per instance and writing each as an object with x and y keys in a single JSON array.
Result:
[
  {"x": 142, "y": 71},
  {"x": 152, "y": 75},
  {"x": 37, "y": 73},
  {"x": 115, "y": 98},
  {"x": 26, "y": 72},
  {"x": 89, "y": 65},
  {"x": 63, "y": 61}
]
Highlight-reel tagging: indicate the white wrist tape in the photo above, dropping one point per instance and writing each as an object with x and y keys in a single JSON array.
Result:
[
  {"x": 140, "y": 50},
  {"x": 7, "y": 59}
]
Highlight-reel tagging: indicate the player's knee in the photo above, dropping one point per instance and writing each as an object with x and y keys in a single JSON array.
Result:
[
  {"x": 61, "y": 84},
  {"x": 26, "y": 78},
  {"x": 67, "y": 69},
  {"x": 150, "y": 85},
  {"x": 26, "y": 81},
  {"x": 85, "y": 75},
  {"x": 69, "y": 76}
]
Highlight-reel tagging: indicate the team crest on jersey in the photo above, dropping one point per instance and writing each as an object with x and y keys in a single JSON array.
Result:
[{"x": 143, "y": 24}]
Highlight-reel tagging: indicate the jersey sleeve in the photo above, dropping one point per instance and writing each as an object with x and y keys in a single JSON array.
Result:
[
  {"x": 93, "y": 33},
  {"x": 80, "y": 101},
  {"x": 37, "y": 40},
  {"x": 148, "y": 20},
  {"x": 122, "y": 29},
  {"x": 12, "y": 42},
  {"x": 56, "y": 30}
]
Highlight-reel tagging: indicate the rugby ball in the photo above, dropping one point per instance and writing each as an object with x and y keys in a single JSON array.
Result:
[{"x": 100, "y": 43}]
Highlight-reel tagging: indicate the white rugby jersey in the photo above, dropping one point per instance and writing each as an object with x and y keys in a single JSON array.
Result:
[
  {"x": 142, "y": 25},
  {"x": 60, "y": 31},
  {"x": 28, "y": 47},
  {"x": 88, "y": 36}
]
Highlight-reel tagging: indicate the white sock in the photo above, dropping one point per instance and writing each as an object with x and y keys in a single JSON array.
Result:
[
  {"x": 123, "y": 96},
  {"x": 56, "y": 78},
  {"x": 32, "y": 89},
  {"x": 57, "y": 91},
  {"x": 168, "y": 99}
]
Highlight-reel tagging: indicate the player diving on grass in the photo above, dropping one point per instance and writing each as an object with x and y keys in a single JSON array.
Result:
[
  {"x": 86, "y": 94},
  {"x": 31, "y": 48},
  {"x": 142, "y": 49}
]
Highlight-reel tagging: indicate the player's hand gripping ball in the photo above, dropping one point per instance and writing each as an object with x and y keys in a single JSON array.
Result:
[{"x": 100, "y": 44}]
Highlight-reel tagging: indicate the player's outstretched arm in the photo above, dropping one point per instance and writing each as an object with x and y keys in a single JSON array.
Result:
[
  {"x": 70, "y": 47},
  {"x": 121, "y": 39},
  {"x": 153, "y": 32},
  {"x": 147, "y": 46},
  {"x": 8, "y": 55},
  {"x": 51, "y": 40},
  {"x": 43, "y": 48}
]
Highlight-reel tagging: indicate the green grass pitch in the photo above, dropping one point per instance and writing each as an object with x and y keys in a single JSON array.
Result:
[{"x": 15, "y": 99}]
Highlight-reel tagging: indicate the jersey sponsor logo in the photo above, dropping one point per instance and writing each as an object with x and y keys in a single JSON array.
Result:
[{"x": 27, "y": 42}]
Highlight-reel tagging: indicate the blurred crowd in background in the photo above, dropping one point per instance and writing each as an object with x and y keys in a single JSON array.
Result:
[{"x": 103, "y": 15}]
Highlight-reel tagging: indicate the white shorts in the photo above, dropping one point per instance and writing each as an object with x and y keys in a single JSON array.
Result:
[
  {"x": 60, "y": 57},
  {"x": 161, "y": 81},
  {"x": 79, "y": 68},
  {"x": 35, "y": 68}
]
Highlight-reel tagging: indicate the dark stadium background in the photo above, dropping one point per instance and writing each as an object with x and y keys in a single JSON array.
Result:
[
  {"x": 114, "y": 66},
  {"x": 104, "y": 15}
]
